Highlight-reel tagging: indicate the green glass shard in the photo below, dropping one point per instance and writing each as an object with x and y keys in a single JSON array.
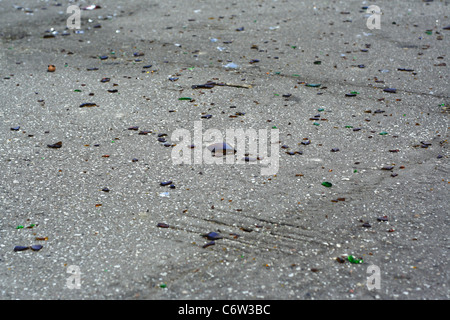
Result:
[{"x": 354, "y": 260}]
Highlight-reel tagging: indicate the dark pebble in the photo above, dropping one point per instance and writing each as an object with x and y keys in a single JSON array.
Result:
[
  {"x": 36, "y": 247},
  {"x": 105, "y": 190},
  {"x": 212, "y": 236},
  {"x": 384, "y": 218},
  {"x": 166, "y": 183},
  {"x": 340, "y": 260},
  {"x": 390, "y": 90},
  {"x": 208, "y": 244},
  {"x": 366, "y": 225},
  {"x": 162, "y": 225},
  {"x": 88, "y": 104},
  {"x": 204, "y": 86},
  {"x": 15, "y": 128},
  {"x": 335, "y": 150},
  {"x": 21, "y": 248},
  {"x": 55, "y": 145}
]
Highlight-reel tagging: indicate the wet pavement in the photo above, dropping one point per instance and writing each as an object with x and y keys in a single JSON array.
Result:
[{"x": 89, "y": 180}]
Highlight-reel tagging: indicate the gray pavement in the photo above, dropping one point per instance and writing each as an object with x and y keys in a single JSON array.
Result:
[{"x": 281, "y": 234}]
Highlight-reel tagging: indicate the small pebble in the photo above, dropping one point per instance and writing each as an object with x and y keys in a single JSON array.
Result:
[
  {"x": 21, "y": 248},
  {"x": 208, "y": 244},
  {"x": 88, "y": 105},
  {"x": 56, "y": 145},
  {"x": 212, "y": 236},
  {"x": 162, "y": 225}
]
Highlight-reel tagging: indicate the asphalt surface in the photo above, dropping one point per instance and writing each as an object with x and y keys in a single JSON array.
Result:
[{"x": 281, "y": 234}]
